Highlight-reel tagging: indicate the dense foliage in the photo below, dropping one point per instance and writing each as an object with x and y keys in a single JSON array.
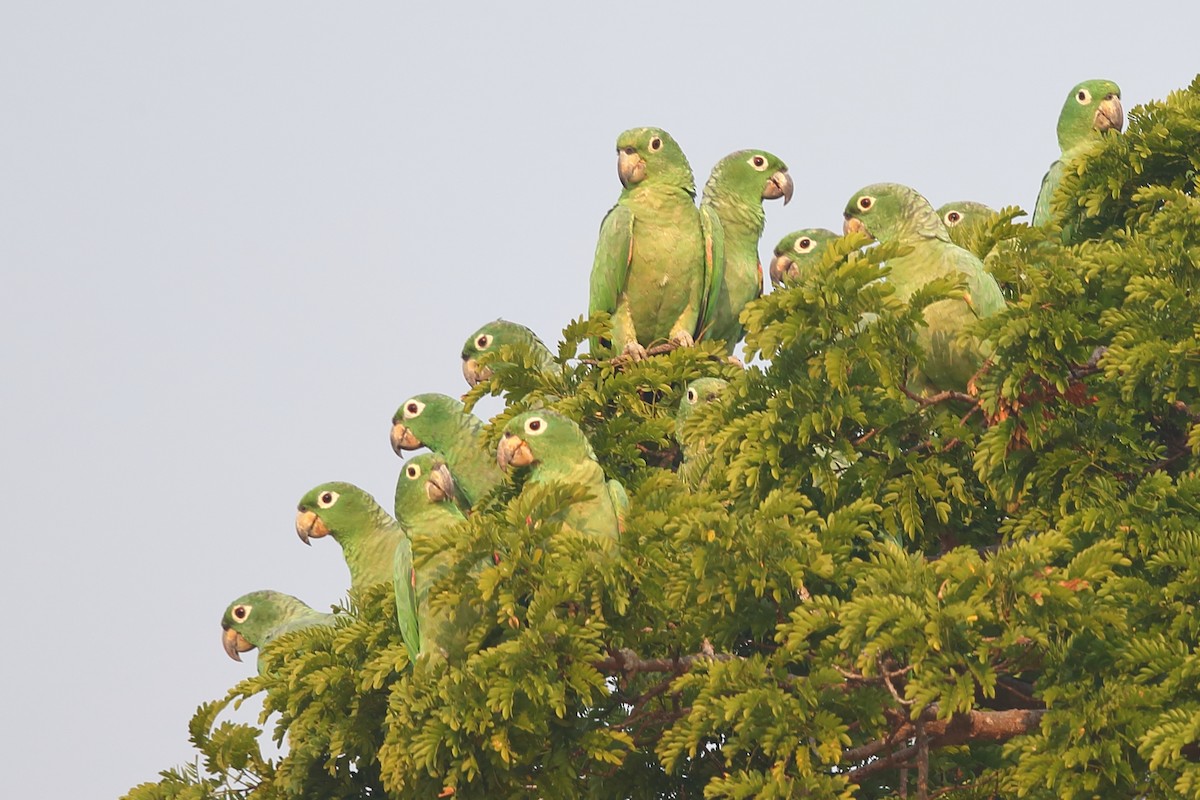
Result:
[{"x": 988, "y": 594}]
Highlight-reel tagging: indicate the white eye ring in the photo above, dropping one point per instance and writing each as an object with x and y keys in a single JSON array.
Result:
[
  {"x": 803, "y": 245},
  {"x": 483, "y": 342},
  {"x": 691, "y": 395},
  {"x": 326, "y": 499},
  {"x": 655, "y": 144},
  {"x": 241, "y": 613},
  {"x": 760, "y": 163},
  {"x": 535, "y": 426},
  {"x": 865, "y": 202},
  {"x": 952, "y": 218},
  {"x": 413, "y": 408},
  {"x": 1083, "y": 97},
  {"x": 412, "y": 471}
]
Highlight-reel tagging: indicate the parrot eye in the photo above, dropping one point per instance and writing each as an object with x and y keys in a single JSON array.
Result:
[
  {"x": 655, "y": 144},
  {"x": 240, "y": 613},
  {"x": 412, "y": 472},
  {"x": 758, "y": 162},
  {"x": 865, "y": 203},
  {"x": 1084, "y": 97},
  {"x": 327, "y": 499},
  {"x": 803, "y": 244},
  {"x": 952, "y": 218},
  {"x": 483, "y": 342},
  {"x": 691, "y": 395},
  {"x": 413, "y": 408},
  {"x": 535, "y": 426}
]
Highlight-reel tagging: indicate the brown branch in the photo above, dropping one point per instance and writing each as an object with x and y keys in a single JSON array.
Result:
[
  {"x": 624, "y": 358},
  {"x": 627, "y": 662},
  {"x": 973, "y": 726},
  {"x": 1092, "y": 365},
  {"x": 940, "y": 397}
]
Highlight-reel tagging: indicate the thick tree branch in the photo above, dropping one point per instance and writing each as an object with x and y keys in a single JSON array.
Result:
[{"x": 626, "y": 662}]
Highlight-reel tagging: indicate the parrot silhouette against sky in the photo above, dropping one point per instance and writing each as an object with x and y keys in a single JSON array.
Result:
[
  {"x": 733, "y": 202},
  {"x": 368, "y": 534},
  {"x": 891, "y": 212},
  {"x": 556, "y": 450},
  {"x": 1091, "y": 108},
  {"x": 494, "y": 335},
  {"x": 796, "y": 252},
  {"x": 257, "y": 618},
  {"x": 649, "y": 265},
  {"x": 443, "y": 424}
]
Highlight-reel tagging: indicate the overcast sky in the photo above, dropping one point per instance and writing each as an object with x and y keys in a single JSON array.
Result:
[{"x": 236, "y": 236}]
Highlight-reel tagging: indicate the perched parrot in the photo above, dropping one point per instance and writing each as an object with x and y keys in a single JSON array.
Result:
[
  {"x": 494, "y": 335},
  {"x": 425, "y": 506},
  {"x": 649, "y": 265},
  {"x": 256, "y": 619},
  {"x": 797, "y": 250},
  {"x": 891, "y": 212},
  {"x": 441, "y": 423},
  {"x": 368, "y": 534},
  {"x": 963, "y": 219},
  {"x": 696, "y": 455},
  {"x": 733, "y": 203},
  {"x": 1091, "y": 108},
  {"x": 557, "y": 451}
]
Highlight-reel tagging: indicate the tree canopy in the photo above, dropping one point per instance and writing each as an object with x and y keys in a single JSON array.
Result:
[{"x": 868, "y": 592}]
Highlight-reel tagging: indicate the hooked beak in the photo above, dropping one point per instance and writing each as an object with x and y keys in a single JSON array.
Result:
[
  {"x": 440, "y": 485},
  {"x": 781, "y": 269},
  {"x": 475, "y": 374},
  {"x": 513, "y": 450},
  {"x": 1110, "y": 115},
  {"x": 780, "y": 185},
  {"x": 855, "y": 225},
  {"x": 403, "y": 439},
  {"x": 631, "y": 168},
  {"x": 309, "y": 526},
  {"x": 234, "y": 644}
]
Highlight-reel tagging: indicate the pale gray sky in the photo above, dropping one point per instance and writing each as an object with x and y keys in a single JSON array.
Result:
[{"x": 235, "y": 236}]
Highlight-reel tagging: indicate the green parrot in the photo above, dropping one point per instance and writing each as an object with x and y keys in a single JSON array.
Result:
[
  {"x": 441, "y": 423},
  {"x": 557, "y": 451},
  {"x": 963, "y": 219},
  {"x": 256, "y": 619},
  {"x": 795, "y": 251},
  {"x": 494, "y": 335},
  {"x": 1091, "y": 108},
  {"x": 426, "y": 507},
  {"x": 733, "y": 202},
  {"x": 649, "y": 265},
  {"x": 368, "y": 534},
  {"x": 891, "y": 212},
  {"x": 696, "y": 455}
]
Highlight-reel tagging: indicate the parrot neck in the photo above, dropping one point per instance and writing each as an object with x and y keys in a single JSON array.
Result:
[
  {"x": 369, "y": 550},
  {"x": 297, "y": 615},
  {"x": 741, "y": 221},
  {"x": 431, "y": 518}
]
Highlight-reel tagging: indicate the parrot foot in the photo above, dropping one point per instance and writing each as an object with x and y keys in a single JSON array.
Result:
[
  {"x": 681, "y": 338},
  {"x": 735, "y": 361},
  {"x": 634, "y": 351}
]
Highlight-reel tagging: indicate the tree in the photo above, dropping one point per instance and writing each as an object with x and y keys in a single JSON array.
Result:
[{"x": 871, "y": 593}]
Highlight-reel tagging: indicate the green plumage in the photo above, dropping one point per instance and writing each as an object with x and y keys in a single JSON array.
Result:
[
  {"x": 368, "y": 534},
  {"x": 426, "y": 508},
  {"x": 733, "y": 198},
  {"x": 796, "y": 252},
  {"x": 649, "y": 264},
  {"x": 488, "y": 341},
  {"x": 696, "y": 453},
  {"x": 1091, "y": 108},
  {"x": 256, "y": 619},
  {"x": 963, "y": 220},
  {"x": 443, "y": 424},
  {"x": 556, "y": 450},
  {"x": 891, "y": 212}
]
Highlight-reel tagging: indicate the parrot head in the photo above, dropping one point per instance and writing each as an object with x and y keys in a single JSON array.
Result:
[
  {"x": 489, "y": 339},
  {"x": 651, "y": 155},
  {"x": 1092, "y": 106},
  {"x": 332, "y": 509},
  {"x": 249, "y": 621},
  {"x": 962, "y": 218},
  {"x": 698, "y": 392},
  {"x": 541, "y": 436},
  {"x": 424, "y": 479},
  {"x": 890, "y": 211},
  {"x": 797, "y": 249},
  {"x": 751, "y": 175},
  {"x": 423, "y": 419}
]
